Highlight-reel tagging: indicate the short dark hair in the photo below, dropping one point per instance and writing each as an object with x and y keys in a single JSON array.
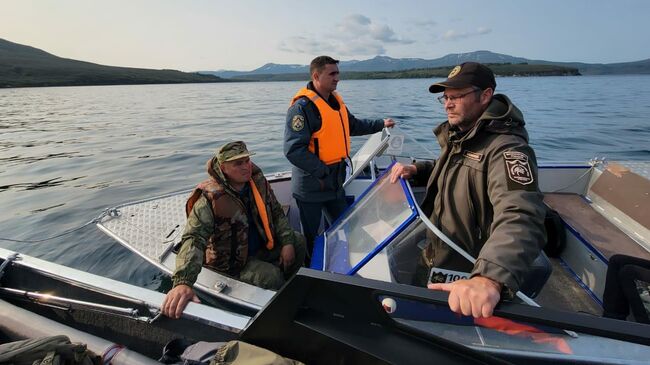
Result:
[{"x": 318, "y": 63}]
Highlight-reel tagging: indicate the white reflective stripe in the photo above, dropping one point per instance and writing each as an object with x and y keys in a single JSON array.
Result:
[{"x": 443, "y": 237}]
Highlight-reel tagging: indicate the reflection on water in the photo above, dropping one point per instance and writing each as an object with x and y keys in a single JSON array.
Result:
[
  {"x": 40, "y": 184},
  {"x": 68, "y": 153}
]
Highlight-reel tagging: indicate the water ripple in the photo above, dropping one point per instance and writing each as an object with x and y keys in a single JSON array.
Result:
[{"x": 123, "y": 143}]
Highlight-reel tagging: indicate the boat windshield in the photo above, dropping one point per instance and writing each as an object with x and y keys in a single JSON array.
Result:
[
  {"x": 358, "y": 242},
  {"x": 374, "y": 146},
  {"x": 402, "y": 147},
  {"x": 382, "y": 149}
]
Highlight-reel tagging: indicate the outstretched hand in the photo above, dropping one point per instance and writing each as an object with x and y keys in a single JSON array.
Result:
[
  {"x": 176, "y": 300},
  {"x": 389, "y": 123},
  {"x": 403, "y": 171},
  {"x": 475, "y": 297}
]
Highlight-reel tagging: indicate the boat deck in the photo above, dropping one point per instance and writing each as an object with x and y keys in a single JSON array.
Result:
[{"x": 563, "y": 292}]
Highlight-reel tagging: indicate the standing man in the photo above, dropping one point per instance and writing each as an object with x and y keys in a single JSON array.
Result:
[
  {"x": 481, "y": 192},
  {"x": 236, "y": 226},
  {"x": 317, "y": 143}
]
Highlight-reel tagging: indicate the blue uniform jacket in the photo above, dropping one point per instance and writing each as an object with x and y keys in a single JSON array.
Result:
[{"x": 312, "y": 180}]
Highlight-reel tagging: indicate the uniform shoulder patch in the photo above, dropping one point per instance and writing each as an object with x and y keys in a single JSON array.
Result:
[
  {"x": 518, "y": 169},
  {"x": 297, "y": 122}
]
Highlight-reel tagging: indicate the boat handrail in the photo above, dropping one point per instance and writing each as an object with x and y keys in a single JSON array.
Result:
[{"x": 71, "y": 304}]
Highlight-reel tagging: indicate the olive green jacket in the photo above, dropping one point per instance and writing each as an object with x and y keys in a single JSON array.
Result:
[
  {"x": 202, "y": 226},
  {"x": 483, "y": 193}
]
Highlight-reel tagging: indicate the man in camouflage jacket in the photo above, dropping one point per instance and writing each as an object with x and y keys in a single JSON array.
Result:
[
  {"x": 482, "y": 193},
  {"x": 237, "y": 216}
]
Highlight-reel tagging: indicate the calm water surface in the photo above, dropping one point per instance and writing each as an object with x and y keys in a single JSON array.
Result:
[{"x": 68, "y": 153}]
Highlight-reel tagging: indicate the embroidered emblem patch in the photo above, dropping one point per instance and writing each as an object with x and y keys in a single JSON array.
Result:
[
  {"x": 474, "y": 156},
  {"x": 297, "y": 123},
  {"x": 454, "y": 72},
  {"x": 519, "y": 170}
]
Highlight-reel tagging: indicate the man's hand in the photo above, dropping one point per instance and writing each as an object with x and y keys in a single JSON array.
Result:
[
  {"x": 389, "y": 122},
  {"x": 403, "y": 171},
  {"x": 474, "y": 297},
  {"x": 177, "y": 299},
  {"x": 287, "y": 256}
]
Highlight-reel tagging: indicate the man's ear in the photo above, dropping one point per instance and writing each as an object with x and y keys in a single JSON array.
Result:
[
  {"x": 486, "y": 96},
  {"x": 315, "y": 76}
]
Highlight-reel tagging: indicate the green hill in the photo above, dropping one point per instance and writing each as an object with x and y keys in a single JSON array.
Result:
[
  {"x": 24, "y": 66},
  {"x": 500, "y": 69}
]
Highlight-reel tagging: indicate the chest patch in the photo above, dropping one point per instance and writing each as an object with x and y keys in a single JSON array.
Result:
[
  {"x": 518, "y": 168},
  {"x": 297, "y": 123},
  {"x": 474, "y": 156}
]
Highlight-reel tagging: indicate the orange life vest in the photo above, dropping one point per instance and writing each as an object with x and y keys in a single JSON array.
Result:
[{"x": 331, "y": 143}]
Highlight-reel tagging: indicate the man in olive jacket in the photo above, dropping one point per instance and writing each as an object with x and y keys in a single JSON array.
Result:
[
  {"x": 237, "y": 215},
  {"x": 482, "y": 193}
]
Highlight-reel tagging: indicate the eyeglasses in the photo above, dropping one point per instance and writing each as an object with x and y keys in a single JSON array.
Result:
[{"x": 445, "y": 98}]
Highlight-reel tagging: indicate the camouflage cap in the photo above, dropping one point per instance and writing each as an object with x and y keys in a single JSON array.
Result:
[{"x": 232, "y": 151}]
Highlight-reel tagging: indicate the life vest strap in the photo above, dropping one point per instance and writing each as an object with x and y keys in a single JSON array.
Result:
[{"x": 261, "y": 208}]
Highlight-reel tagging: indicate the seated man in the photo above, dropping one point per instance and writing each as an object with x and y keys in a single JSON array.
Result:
[{"x": 236, "y": 213}]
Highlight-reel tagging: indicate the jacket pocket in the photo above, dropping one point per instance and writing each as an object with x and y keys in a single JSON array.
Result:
[
  {"x": 330, "y": 182},
  {"x": 311, "y": 184}
]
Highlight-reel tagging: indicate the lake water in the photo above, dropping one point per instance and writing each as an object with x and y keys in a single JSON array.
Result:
[{"x": 68, "y": 153}]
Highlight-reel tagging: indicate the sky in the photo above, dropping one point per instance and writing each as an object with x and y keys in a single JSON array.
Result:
[{"x": 246, "y": 34}]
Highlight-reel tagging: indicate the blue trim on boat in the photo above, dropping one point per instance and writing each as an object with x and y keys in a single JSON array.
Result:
[
  {"x": 396, "y": 232},
  {"x": 319, "y": 241},
  {"x": 384, "y": 243},
  {"x": 318, "y": 255},
  {"x": 409, "y": 196}
]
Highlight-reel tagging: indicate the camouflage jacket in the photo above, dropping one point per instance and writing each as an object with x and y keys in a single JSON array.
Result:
[
  {"x": 482, "y": 193},
  {"x": 217, "y": 214}
]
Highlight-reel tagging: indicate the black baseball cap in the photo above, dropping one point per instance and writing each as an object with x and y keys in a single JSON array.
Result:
[{"x": 466, "y": 75}]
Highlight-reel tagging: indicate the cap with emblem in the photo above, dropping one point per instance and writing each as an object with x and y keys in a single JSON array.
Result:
[
  {"x": 466, "y": 75},
  {"x": 232, "y": 151}
]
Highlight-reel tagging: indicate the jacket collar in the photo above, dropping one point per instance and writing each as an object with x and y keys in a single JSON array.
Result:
[{"x": 500, "y": 117}]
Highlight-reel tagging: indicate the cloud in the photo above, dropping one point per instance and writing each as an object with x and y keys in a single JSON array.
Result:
[
  {"x": 453, "y": 35},
  {"x": 354, "y": 24},
  {"x": 425, "y": 23},
  {"x": 306, "y": 45},
  {"x": 355, "y": 35}
]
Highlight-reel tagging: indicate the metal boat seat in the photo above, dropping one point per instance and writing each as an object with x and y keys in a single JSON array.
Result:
[
  {"x": 612, "y": 216},
  {"x": 587, "y": 223}
]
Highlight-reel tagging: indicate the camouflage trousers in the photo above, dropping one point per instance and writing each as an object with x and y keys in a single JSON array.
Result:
[{"x": 270, "y": 275}]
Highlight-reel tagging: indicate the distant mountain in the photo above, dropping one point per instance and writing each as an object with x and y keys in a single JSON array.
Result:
[
  {"x": 268, "y": 69},
  {"x": 623, "y": 68},
  {"x": 24, "y": 66},
  {"x": 385, "y": 64}
]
